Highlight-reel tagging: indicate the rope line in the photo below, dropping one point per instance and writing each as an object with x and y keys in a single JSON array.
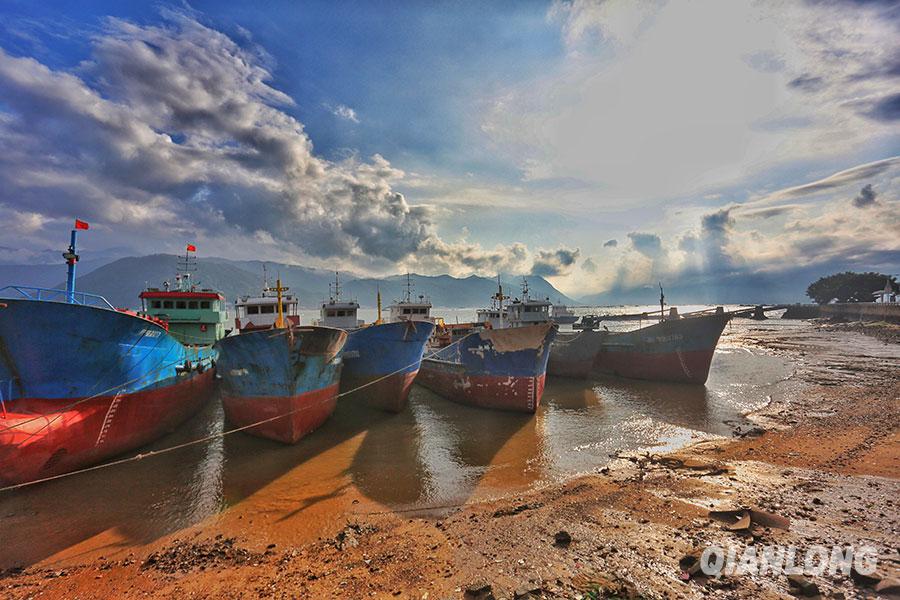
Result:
[{"x": 207, "y": 438}]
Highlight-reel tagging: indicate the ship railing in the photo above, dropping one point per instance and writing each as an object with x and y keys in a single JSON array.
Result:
[{"x": 55, "y": 295}]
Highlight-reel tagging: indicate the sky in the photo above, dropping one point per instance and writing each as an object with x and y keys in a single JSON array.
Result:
[{"x": 603, "y": 145}]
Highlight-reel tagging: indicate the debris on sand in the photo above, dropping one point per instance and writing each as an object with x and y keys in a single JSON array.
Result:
[
  {"x": 505, "y": 512},
  {"x": 742, "y": 519},
  {"x": 187, "y": 556}
]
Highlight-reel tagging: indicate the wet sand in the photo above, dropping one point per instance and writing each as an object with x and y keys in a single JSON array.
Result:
[{"x": 456, "y": 512}]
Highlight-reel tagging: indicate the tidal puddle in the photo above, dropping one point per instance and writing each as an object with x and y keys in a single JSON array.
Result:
[{"x": 436, "y": 454}]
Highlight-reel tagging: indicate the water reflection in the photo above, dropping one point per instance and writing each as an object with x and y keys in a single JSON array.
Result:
[{"x": 437, "y": 453}]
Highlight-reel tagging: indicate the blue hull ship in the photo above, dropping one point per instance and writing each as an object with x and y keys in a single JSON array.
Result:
[
  {"x": 383, "y": 360},
  {"x": 81, "y": 381},
  {"x": 281, "y": 383}
]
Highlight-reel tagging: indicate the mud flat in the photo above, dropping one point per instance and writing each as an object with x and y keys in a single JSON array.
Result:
[{"x": 824, "y": 453}]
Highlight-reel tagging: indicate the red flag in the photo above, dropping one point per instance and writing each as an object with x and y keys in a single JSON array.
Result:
[
  {"x": 191, "y": 248},
  {"x": 81, "y": 224}
]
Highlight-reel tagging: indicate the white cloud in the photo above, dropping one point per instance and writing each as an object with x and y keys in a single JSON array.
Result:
[
  {"x": 663, "y": 100},
  {"x": 344, "y": 112}
]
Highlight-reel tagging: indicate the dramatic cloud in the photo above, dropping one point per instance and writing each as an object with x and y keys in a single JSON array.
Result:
[
  {"x": 648, "y": 244},
  {"x": 867, "y": 197},
  {"x": 589, "y": 266},
  {"x": 610, "y": 243},
  {"x": 551, "y": 263},
  {"x": 174, "y": 130}
]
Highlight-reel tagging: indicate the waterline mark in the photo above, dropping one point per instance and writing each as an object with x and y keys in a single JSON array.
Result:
[{"x": 717, "y": 561}]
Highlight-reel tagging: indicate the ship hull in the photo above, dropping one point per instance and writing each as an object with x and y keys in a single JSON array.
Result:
[
  {"x": 81, "y": 384},
  {"x": 381, "y": 362},
  {"x": 676, "y": 350},
  {"x": 281, "y": 384},
  {"x": 503, "y": 369}
]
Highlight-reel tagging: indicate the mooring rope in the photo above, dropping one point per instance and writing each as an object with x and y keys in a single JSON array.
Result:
[{"x": 210, "y": 437}]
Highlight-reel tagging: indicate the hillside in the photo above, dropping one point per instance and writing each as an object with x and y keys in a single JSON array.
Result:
[{"x": 122, "y": 280}]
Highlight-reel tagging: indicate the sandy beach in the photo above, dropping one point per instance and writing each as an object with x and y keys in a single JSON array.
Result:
[{"x": 824, "y": 453}]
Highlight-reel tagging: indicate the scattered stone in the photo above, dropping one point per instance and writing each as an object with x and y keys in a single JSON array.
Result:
[
  {"x": 527, "y": 593},
  {"x": 479, "y": 591},
  {"x": 562, "y": 538},
  {"x": 184, "y": 556},
  {"x": 505, "y": 512},
  {"x": 801, "y": 586}
]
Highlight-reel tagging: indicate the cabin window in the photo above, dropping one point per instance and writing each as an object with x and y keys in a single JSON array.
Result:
[
  {"x": 284, "y": 308},
  {"x": 342, "y": 313},
  {"x": 405, "y": 311},
  {"x": 267, "y": 309},
  {"x": 167, "y": 304},
  {"x": 330, "y": 313},
  {"x": 156, "y": 304},
  {"x": 192, "y": 304},
  {"x": 252, "y": 310},
  {"x": 204, "y": 304}
]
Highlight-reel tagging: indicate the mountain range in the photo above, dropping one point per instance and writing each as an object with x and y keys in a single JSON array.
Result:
[{"x": 120, "y": 281}]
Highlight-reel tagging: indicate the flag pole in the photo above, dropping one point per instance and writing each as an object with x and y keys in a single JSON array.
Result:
[{"x": 71, "y": 259}]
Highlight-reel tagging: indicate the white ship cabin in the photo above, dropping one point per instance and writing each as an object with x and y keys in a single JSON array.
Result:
[
  {"x": 338, "y": 313},
  {"x": 493, "y": 316},
  {"x": 527, "y": 311},
  {"x": 410, "y": 308},
  {"x": 261, "y": 312}
]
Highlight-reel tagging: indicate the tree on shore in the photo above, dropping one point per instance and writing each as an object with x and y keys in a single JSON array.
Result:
[{"x": 848, "y": 287}]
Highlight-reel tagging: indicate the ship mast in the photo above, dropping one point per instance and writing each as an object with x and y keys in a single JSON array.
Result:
[
  {"x": 408, "y": 289},
  {"x": 378, "y": 300},
  {"x": 280, "y": 324}
]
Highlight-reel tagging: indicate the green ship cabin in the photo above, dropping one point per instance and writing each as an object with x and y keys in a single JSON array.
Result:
[{"x": 195, "y": 317}]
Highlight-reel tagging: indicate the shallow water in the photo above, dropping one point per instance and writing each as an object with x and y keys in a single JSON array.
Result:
[{"x": 435, "y": 454}]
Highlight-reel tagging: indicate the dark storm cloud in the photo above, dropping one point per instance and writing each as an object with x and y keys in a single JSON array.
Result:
[
  {"x": 886, "y": 108},
  {"x": 549, "y": 263},
  {"x": 648, "y": 244},
  {"x": 610, "y": 243},
  {"x": 867, "y": 197}
]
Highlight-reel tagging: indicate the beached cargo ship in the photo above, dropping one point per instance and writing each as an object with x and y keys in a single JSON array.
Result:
[
  {"x": 677, "y": 349},
  {"x": 381, "y": 360},
  {"x": 81, "y": 381},
  {"x": 280, "y": 382},
  {"x": 493, "y": 368}
]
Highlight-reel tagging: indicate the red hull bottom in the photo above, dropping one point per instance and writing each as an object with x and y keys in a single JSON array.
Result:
[
  {"x": 521, "y": 394},
  {"x": 390, "y": 393},
  {"x": 679, "y": 366},
  {"x": 42, "y": 443},
  {"x": 303, "y": 413}
]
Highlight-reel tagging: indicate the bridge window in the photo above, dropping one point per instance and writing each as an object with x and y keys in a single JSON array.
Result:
[
  {"x": 252, "y": 310},
  {"x": 156, "y": 304},
  {"x": 180, "y": 304},
  {"x": 167, "y": 304},
  {"x": 204, "y": 304},
  {"x": 267, "y": 309},
  {"x": 192, "y": 304}
]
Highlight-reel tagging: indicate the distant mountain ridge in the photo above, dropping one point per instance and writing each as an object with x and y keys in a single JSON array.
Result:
[{"x": 120, "y": 281}]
